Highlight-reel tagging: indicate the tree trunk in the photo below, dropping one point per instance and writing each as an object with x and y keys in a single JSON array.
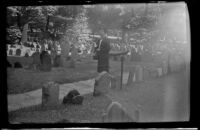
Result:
[
  {"x": 24, "y": 33},
  {"x": 47, "y": 24}
]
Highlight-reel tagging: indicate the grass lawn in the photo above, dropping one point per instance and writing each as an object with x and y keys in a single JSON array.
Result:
[
  {"x": 149, "y": 94},
  {"x": 90, "y": 111},
  {"x": 22, "y": 80}
]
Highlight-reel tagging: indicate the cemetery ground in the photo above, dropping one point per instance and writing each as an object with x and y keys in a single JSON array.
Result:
[{"x": 149, "y": 96}]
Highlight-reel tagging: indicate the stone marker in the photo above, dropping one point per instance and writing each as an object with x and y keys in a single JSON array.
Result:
[
  {"x": 17, "y": 65},
  {"x": 36, "y": 60},
  {"x": 9, "y": 65},
  {"x": 116, "y": 113},
  {"x": 46, "y": 61},
  {"x": 26, "y": 54},
  {"x": 18, "y": 52},
  {"x": 131, "y": 75},
  {"x": 10, "y": 52},
  {"x": 102, "y": 83},
  {"x": 73, "y": 97},
  {"x": 50, "y": 94},
  {"x": 57, "y": 61}
]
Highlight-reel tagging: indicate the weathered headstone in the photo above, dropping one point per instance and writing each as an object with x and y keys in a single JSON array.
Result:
[
  {"x": 9, "y": 65},
  {"x": 73, "y": 97},
  {"x": 50, "y": 94},
  {"x": 131, "y": 75},
  {"x": 57, "y": 61},
  {"x": 116, "y": 113},
  {"x": 18, "y": 52},
  {"x": 102, "y": 83},
  {"x": 17, "y": 65},
  {"x": 26, "y": 55},
  {"x": 10, "y": 52},
  {"x": 36, "y": 60},
  {"x": 45, "y": 61}
]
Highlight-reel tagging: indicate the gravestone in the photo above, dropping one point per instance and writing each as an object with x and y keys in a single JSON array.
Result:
[
  {"x": 10, "y": 52},
  {"x": 116, "y": 113},
  {"x": 50, "y": 94},
  {"x": 57, "y": 61},
  {"x": 9, "y": 65},
  {"x": 102, "y": 83},
  {"x": 26, "y": 55},
  {"x": 36, "y": 60},
  {"x": 18, "y": 52},
  {"x": 73, "y": 97},
  {"x": 17, "y": 65},
  {"x": 131, "y": 75},
  {"x": 45, "y": 61}
]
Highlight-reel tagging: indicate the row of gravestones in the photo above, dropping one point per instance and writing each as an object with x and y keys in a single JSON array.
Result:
[
  {"x": 16, "y": 65},
  {"x": 40, "y": 61},
  {"x": 114, "y": 113},
  {"x": 43, "y": 61},
  {"x": 18, "y": 53},
  {"x": 132, "y": 57}
]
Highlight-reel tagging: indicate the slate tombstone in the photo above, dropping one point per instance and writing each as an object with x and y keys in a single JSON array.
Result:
[
  {"x": 26, "y": 54},
  {"x": 102, "y": 83},
  {"x": 17, "y": 65},
  {"x": 73, "y": 97},
  {"x": 10, "y": 52},
  {"x": 50, "y": 94},
  {"x": 116, "y": 113},
  {"x": 45, "y": 61},
  {"x": 57, "y": 61},
  {"x": 132, "y": 72},
  {"x": 9, "y": 65},
  {"x": 36, "y": 60},
  {"x": 18, "y": 52}
]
